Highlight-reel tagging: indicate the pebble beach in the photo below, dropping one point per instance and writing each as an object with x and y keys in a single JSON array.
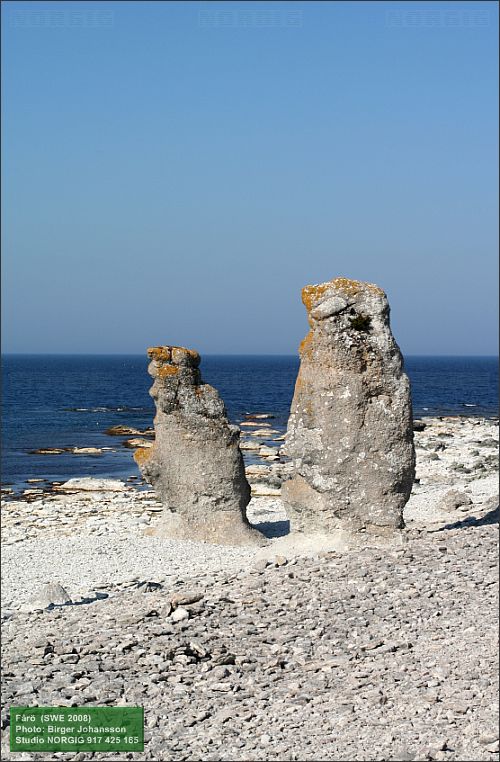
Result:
[{"x": 364, "y": 650}]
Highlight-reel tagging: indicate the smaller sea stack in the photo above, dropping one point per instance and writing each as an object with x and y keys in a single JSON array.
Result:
[{"x": 195, "y": 464}]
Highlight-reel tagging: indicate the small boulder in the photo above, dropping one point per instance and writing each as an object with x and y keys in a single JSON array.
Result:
[
  {"x": 453, "y": 500},
  {"x": 419, "y": 425},
  {"x": 185, "y": 599},
  {"x": 179, "y": 615},
  {"x": 50, "y": 595}
]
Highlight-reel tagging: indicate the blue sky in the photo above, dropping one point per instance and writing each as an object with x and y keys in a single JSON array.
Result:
[{"x": 176, "y": 172}]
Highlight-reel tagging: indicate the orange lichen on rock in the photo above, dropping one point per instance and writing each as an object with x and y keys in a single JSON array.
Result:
[
  {"x": 353, "y": 287},
  {"x": 167, "y": 370},
  {"x": 312, "y": 294},
  {"x": 305, "y": 345},
  {"x": 160, "y": 354},
  {"x": 174, "y": 355},
  {"x": 298, "y": 383},
  {"x": 142, "y": 454}
]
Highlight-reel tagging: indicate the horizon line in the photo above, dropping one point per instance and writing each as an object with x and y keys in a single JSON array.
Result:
[{"x": 213, "y": 354}]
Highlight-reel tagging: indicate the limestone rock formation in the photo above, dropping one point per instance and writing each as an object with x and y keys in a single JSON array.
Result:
[
  {"x": 195, "y": 463},
  {"x": 350, "y": 432}
]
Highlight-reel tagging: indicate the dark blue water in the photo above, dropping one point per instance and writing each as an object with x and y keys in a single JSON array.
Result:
[{"x": 66, "y": 401}]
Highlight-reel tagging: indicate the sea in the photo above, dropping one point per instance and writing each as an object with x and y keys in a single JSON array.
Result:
[{"x": 62, "y": 401}]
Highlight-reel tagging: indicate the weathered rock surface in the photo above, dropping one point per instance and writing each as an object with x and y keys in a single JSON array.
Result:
[
  {"x": 350, "y": 430},
  {"x": 195, "y": 464}
]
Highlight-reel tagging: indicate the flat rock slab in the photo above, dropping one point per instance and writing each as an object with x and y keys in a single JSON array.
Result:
[{"x": 92, "y": 485}]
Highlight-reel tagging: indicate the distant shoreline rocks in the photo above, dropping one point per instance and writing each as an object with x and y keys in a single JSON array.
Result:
[
  {"x": 108, "y": 409},
  {"x": 137, "y": 442},
  {"x": 90, "y": 484},
  {"x": 73, "y": 450},
  {"x": 259, "y": 416},
  {"x": 120, "y": 431}
]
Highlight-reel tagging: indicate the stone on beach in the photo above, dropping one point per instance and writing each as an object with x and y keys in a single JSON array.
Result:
[
  {"x": 51, "y": 594},
  {"x": 350, "y": 432},
  {"x": 195, "y": 465},
  {"x": 88, "y": 484},
  {"x": 454, "y": 499}
]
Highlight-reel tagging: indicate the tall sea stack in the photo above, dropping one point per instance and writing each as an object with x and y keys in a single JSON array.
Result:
[
  {"x": 350, "y": 432},
  {"x": 195, "y": 465}
]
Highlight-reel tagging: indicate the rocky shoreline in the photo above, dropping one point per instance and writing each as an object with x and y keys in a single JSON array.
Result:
[{"x": 376, "y": 652}]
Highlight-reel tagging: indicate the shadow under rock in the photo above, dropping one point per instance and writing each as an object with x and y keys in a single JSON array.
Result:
[
  {"x": 491, "y": 517},
  {"x": 272, "y": 529}
]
